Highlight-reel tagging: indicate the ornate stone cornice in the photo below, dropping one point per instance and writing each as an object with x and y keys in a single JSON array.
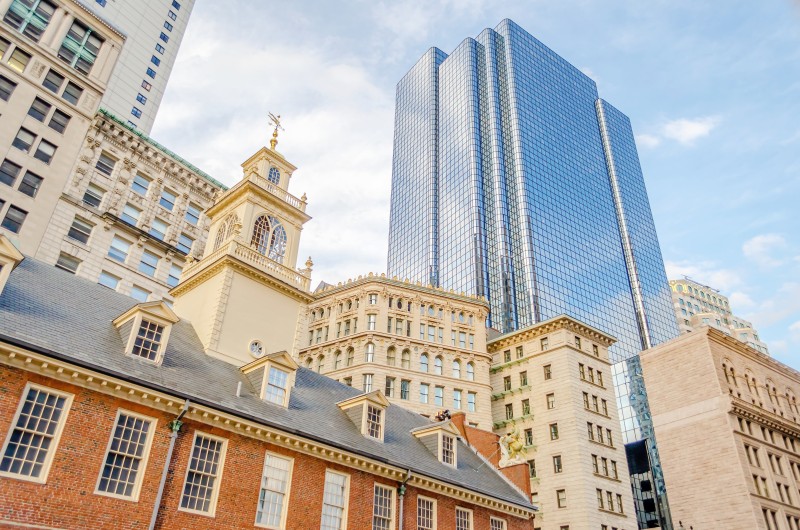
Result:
[
  {"x": 762, "y": 416},
  {"x": 548, "y": 326}
]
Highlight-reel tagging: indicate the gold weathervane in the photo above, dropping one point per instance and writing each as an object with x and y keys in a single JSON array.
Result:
[{"x": 276, "y": 121}]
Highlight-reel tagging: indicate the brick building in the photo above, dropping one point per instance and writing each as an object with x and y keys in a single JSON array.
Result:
[{"x": 91, "y": 402}]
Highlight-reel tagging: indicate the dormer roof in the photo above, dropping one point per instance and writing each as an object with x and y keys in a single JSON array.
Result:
[
  {"x": 445, "y": 426},
  {"x": 157, "y": 309},
  {"x": 258, "y": 373},
  {"x": 375, "y": 397},
  {"x": 10, "y": 257}
]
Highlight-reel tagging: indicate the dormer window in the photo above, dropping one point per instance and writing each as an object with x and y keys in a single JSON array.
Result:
[
  {"x": 10, "y": 257},
  {"x": 145, "y": 328},
  {"x": 441, "y": 440},
  {"x": 148, "y": 340},
  {"x": 277, "y": 381},
  {"x": 272, "y": 376},
  {"x": 367, "y": 412}
]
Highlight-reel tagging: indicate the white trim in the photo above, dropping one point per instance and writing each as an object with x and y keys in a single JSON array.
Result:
[
  {"x": 285, "y": 507},
  {"x": 142, "y": 463},
  {"x": 51, "y": 451},
  {"x": 469, "y": 513},
  {"x": 503, "y": 522},
  {"x": 434, "y": 511},
  {"x": 212, "y": 508},
  {"x": 393, "y": 502}
]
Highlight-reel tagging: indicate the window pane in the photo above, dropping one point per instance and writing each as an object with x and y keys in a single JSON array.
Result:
[
  {"x": 274, "y": 487},
  {"x": 124, "y": 456},
  {"x": 198, "y": 491},
  {"x": 9, "y": 172},
  {"x": 45, "y": 151},
  {"x": 14, "y": 219},
  {"x": 333, "y": 501}
]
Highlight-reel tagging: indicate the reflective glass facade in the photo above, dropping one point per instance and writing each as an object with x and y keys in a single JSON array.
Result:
[{"x": 513, "y": 180}]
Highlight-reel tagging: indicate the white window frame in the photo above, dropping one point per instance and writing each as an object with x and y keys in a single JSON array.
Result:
[
  {"x": 469, "y": 514},
  {"x": 433, "y": 510},
  {"x": 392, "y": 502},
  {"x": 346, "y": 496},
  {"x": 42, "y": 479},
  {"x": 212, "y": 508},
  {"x": 134, "y": 497},
  {"x": 285, "y": 507},
  {"x": 493, "y": 521},
  {"x": 137, "y": 324}
]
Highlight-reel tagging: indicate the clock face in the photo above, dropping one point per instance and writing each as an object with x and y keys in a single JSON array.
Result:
[{"x": 256, "y": 348}]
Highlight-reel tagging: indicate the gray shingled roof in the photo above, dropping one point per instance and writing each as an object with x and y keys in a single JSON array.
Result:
[{"x": 54, "y": 312}]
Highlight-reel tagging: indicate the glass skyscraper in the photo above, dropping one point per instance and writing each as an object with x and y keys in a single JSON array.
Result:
[{"x": 513, "y": 180}]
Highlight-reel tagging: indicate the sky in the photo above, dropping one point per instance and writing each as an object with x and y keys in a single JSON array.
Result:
[{"x": 712, "y": 89}]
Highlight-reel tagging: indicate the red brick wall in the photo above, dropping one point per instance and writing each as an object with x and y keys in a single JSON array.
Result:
[{"x": 68, "y": 500}]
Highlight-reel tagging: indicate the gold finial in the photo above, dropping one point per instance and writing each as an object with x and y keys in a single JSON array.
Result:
[{"x": 276, "y": 121}]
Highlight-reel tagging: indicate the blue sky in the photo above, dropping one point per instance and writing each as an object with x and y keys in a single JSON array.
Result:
[{"x": 712, "y": 89}]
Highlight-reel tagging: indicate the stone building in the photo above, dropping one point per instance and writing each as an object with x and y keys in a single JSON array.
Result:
[
  {"x": 56, "y": 58},
  {"x": 131, "y": 214},
  {"x": 551, "y": 383},
  {"x": 728, "y": 429},
  {"x": 698, "y": 305},
  {"x": 424, "y": 347}
]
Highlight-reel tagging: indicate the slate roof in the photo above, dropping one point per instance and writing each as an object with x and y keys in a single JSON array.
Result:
[{"x": 53, "y": 312}]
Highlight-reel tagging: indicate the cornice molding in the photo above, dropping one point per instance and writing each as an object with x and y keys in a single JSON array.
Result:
[{"x": 548, "y": 326}]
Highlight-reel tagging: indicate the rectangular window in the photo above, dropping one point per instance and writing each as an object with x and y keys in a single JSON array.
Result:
[
  {"x": 151, "y": 73},
  {"x": 158, "y": 229},
  {"x": 200, "y": 488},
  {"x": 164, "y": 37},
  {"x": 551, "y": 401},
  {"x": 119, "y": 249},
  {"x": 457, "y": 399},
  {"x": 438, "y": 396},
  {"x": 68, "y": 263},
  {"x": 59, "y": 121},
  {"x": 176, "y": 4},
  {"x": 371, "y": 321},
  {"x": 7, "y": 87},
  {"x": 80, "y": 230},
  {"x": 382, "y": 507},
  {"x": 93, "y": 196},
  {"x": 159, "y": 48},
  {"x": 463, "y": 519},
  {"x": 167, "y": 199},
  {"x": 423, "y": 392},
  {"x": 526, "y": 407},
  {"x": 471, "y": 405},
  {"x": 9, "y": 172},
  {"x": 139, "y": 294},
  {"x": 193, "y": 214},
  {"x": 108, "y": 280},
  {"x": 45, "y": 151},
  {"x": 30, "y": 17},
  {"x": 136, "y": 112},
  {"x": 277, "y": 384},
  {"x": 557, "y": 464},
  {"x": 405, "y": 389},
  {"x": 72, "y": 93},
  {"x": 140, "y": 184},
  {"x": 145, "y": 85},
  {"x": 334, "y": 501},
  {"x": 509, "y": 408},
  {"x": 14, "y": 219},
  {"x": 561, "y": 498},
  {"x": 148, "y": 340},
  {"x": 80, "y": 47},
  {"x": 426, "y": 514},
  {"x": 172, "y": 15},
  {"x": 273, "y": 497},
  {"x": 528, "y": 436},
  {"x": 389, "y": 388},
  {"x": 548, "y": 373},
  {"x": 168, "y": 26},
  {"x": 532, "y": 468},
  {"x": 366, "y": 382},
  {"x": 148, "y": 263},
  {"x": 39, "y": 109},
  {"x": 448, "y": 450},
  {"x": 19, "y": 59},
  {"x": 554, "y": 431},
  {"x": 53, "y": 81},
  {"x": 33, "y": 437},
  {"x": 126, "y": 456},
  {"x": 174, "y": 275},
  {"x": 185, "y": 243},
  {"x": 24, "y": 140},
  {"x": 155, "y": 60},
  {"x": 544, "y": 343},
  {"x": 105, "y": 164}
]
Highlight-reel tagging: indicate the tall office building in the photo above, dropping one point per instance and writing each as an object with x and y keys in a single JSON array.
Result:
[
  {"x": 513, "y": 180},
  {"x": 154, "y": 31}
]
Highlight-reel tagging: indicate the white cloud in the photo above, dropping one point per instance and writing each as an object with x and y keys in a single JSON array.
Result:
[
  {"x": 765, "y": 250},
  {"x": 741, "y": 302},
  {"x": 686, "y": 131},
  {"x": 647, "y": 140},
  {"x": 705, "y": 272}
]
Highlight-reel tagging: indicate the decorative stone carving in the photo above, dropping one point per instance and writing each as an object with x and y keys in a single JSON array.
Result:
[{"x": 512, "y": 448}]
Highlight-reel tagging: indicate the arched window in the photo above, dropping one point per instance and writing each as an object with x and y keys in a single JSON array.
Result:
[
  {"x": 369, "y": 355},
  {"x": 406, "y": 360},
  {"x": 225, "y": 230},
  {"x": 725, "y": 371},
  {"x": 390, "y": 356},
  {"x": 437, "y": 365},
  {"x": 320, "y": 363},
  {"x": 470, "y": 371},
  {"x": 337, "y": 360},
  {"x": 269, "y": 237},
  {"x": 461, "y": 317},
  {"x": 351, "y": 354},
  {"x": 423, "y": 362},
  {"x": 309, "y": 363},
  {"x": 274, "y": 175},
  {"x": 457, "y": 369}
]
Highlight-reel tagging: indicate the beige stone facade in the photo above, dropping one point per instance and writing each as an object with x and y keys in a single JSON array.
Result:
[
  {"x": 130, "y": 213},
  {"x": 698, "y": 305},
  {"x": 245, "y": 295},
  {"x": 552, "y": 384},
  {"x": 728, "y": 429},
  {"x": 424, "y": 348},
  {"x": 49, "y": 93}
]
